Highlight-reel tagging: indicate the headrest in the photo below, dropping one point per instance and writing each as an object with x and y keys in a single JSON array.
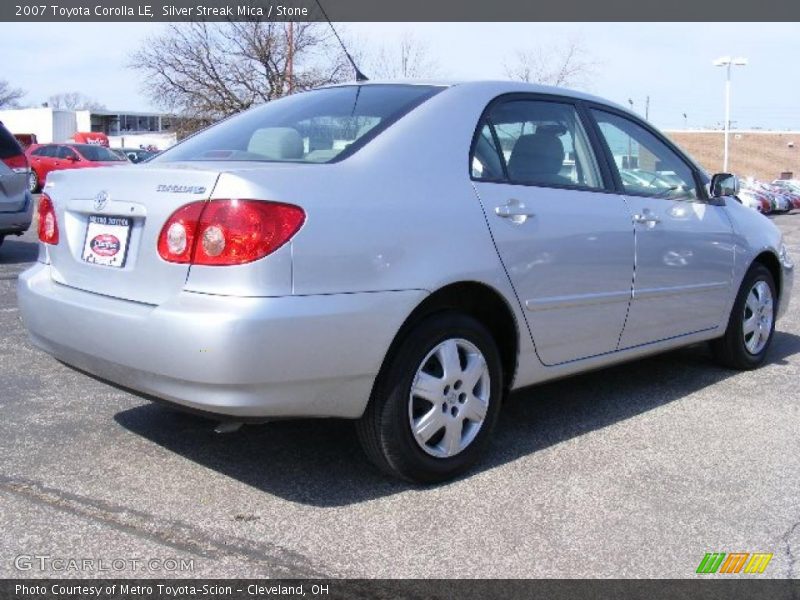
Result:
[
  {"x": 277, "y": 143},
  {"x": 536, "y": 154}
]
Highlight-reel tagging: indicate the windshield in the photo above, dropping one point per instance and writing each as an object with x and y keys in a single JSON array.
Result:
[
  {"x": 319, "y": 126},
  {"x": 98, "y": 153}
]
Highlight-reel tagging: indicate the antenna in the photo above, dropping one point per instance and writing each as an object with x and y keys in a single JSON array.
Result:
[{"x": 359, "y": 75}]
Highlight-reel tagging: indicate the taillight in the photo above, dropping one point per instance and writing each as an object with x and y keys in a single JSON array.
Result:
[
  {"x": 17, "y": 163},
  {"x": 48, "y": 226},
  {"x": 228, "y": 232},
  {"x": 176, "y": 242}
]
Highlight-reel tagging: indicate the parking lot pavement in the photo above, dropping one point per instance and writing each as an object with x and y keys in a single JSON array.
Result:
[{"x": 633, "y": 471}]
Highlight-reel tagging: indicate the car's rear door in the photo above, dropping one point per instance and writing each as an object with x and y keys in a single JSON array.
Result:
[
  {"x": 564, "y": 236},
  {"x": 684, "y": 243}
]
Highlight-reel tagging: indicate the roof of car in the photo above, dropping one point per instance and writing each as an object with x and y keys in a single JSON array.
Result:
[{"x": 498, "y": 87}]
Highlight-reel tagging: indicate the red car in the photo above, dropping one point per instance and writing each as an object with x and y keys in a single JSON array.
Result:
[{"x": 44, "y": 158}]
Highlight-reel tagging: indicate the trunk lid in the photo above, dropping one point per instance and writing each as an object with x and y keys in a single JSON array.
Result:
[{"x": 115, "y": 215}]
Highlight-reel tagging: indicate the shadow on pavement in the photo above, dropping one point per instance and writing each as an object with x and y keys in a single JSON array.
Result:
[
  {"x": 319, "y": 462},
  {"x": 14, "y": 251}
]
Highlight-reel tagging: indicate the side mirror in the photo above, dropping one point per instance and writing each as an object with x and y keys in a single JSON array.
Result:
[
  {"x": 73, "y": 158},
  {"x": 724, "y": 184}
]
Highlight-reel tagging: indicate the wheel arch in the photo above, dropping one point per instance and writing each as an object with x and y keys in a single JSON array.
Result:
[
  {"x": 772, "y": 263},
  {"x": 478, "y": 300}
]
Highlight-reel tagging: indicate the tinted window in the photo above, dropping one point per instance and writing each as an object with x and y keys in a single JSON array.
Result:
[
  {"x": 64, "y": 152},
  {"x": 47, "y": 151},
  {"x": 315, "y": 127},
  {"x": 541, "y": 143},
  {"x": 98, "y": 153},
  {"x": 8, "y": 144},
  {"x": 646, "y": 165}
]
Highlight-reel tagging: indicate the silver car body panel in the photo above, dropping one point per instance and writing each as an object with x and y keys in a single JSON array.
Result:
[{"x": 304, "y": 331}]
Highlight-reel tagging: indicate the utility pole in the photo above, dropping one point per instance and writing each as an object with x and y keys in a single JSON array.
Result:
[{"x": 647, "y": 109}]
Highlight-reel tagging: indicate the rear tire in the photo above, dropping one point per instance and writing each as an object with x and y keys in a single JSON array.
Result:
[
  {"x": 751, "y": 324},
  {"x": 33, "y": 182},
  {"x": 443, "y": 426}
]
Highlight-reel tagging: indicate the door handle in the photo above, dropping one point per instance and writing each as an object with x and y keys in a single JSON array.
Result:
[{"x": 513, "y": 210}]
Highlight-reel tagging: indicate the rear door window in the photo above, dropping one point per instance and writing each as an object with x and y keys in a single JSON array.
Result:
[{"x": 537, "y": 142}]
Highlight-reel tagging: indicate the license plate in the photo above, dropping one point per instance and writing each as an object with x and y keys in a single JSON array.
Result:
[{"x": 107, "y": 240}]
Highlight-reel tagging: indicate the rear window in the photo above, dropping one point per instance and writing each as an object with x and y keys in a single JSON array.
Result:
[
  {"x": 8, "y": 144},
  {"x": 97, "y": 153},
  {"x": 319, "y": 126}
]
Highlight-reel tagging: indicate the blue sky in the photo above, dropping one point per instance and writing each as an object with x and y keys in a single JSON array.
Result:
[{"x": 670, "y": 62}]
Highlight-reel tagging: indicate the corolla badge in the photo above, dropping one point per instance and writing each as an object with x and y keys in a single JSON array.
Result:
[
  {"x": 180, "y": 189},
  {"x": 100, "y": 200}
]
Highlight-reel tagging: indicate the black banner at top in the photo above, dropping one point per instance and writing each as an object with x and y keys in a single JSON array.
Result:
[{"x": 398, "y": 10}]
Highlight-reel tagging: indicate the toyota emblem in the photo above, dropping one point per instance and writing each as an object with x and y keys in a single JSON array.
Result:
[{"x": 101, "y": 200}]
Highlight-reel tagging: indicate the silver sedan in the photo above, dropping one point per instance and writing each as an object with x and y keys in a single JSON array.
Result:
[{"x": 403, "y": 255}]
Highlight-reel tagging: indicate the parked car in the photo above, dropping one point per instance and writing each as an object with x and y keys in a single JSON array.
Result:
[
  {"x": 791, "y": 187},
  {"x": 779, "y": 200},
  {"x": 120, "y": 152},
  {"x": 46, "y": 158},
  {"x": 137, "y": 155},
  {"x": 435, "y": 248},
  {"x": 16, "y": 204},
  {"x": 753, "y": 200},
  {"x": 792, "y": 184}
]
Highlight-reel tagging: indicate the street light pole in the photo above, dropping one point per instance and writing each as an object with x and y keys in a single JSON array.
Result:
[{"x": 728, "y": 62}]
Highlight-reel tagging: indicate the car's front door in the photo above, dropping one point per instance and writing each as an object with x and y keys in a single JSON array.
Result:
[
  {"x": 566, "y": 242},
  {"x": 684, "y": 243}
]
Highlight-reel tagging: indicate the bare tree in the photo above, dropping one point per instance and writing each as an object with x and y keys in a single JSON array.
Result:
[
  {"x": 73, "y": 101},
  {"x": 407, "y": 59},
  {"x": 567, "y": 65},
  {"x": 9, "y": 96},
  {"x": 204, "y": 71}
]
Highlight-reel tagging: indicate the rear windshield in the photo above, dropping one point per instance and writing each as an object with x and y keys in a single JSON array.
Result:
[
  {"x": 8, "y": 144},
  {"x": 98, "y": 153},
  {"x": 319, "y": 126}
]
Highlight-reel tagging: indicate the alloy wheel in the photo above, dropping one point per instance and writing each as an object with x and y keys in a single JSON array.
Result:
[
  {"x": 449, "y": 398},
  {"x": 758, "y": 317}
]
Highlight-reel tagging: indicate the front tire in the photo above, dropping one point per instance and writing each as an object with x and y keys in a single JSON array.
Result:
[
  {"x": 752, "y": 322},
  {"x": 435, "y": 402}
]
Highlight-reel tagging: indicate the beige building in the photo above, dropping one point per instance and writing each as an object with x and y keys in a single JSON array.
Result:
[{"x": 761, "y": 154}]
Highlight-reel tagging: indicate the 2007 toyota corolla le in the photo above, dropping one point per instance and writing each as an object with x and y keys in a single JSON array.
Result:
[{"x": 402, "y": 255}]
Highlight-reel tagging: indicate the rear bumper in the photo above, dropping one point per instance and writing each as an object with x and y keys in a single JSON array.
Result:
[
  {"x": 294, "y": 356},
  {"x": 17, "y": 222}
]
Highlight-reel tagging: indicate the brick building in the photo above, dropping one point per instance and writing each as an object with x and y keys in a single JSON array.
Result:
[{"x": 761, "y": 154}]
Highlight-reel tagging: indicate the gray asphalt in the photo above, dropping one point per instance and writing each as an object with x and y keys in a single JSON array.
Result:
[{"x": 633, "y": 471}]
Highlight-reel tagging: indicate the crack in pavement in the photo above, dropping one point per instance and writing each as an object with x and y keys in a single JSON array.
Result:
[
  {"x": 787, "y": 540},
  {"x": 278, "y": 561}
]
